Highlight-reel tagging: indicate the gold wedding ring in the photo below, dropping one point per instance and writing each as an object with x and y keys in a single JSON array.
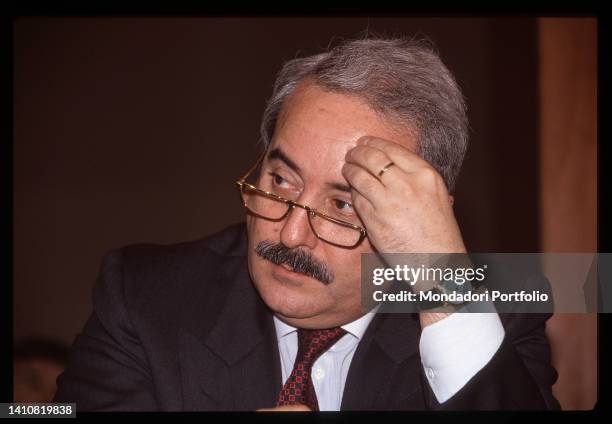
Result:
[{"x": 385, "y": 169}]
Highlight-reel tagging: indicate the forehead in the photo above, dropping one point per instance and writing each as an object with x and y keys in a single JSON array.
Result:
[{"x": 316, "y": 128}]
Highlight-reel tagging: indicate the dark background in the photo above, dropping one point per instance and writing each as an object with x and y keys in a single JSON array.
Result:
[{"x": 133, "y": 130}]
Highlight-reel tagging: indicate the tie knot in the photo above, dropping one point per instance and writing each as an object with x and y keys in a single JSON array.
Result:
[{"x": 312, "y": 343}]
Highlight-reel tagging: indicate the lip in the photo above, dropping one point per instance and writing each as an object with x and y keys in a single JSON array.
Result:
[{"x": 282, "y": 273}]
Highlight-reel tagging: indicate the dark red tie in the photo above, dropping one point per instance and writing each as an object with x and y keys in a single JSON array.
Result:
[{"x": 311, "y": 345}]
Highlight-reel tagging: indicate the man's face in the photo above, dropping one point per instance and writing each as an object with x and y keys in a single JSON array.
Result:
[{"x": 314, "y": 131}]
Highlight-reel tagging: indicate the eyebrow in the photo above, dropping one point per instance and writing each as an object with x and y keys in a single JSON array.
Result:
[
  {"x": 340, "y": 186},
  {"x": 278, "y": 154}
]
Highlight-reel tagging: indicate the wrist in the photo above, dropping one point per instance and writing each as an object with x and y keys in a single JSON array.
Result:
[{"x": 428, "y": 318}]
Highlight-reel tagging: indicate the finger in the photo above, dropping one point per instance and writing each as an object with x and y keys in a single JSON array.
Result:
[
  {"x": 377, "y": 164},
  {"x": 402, "y": 156},
  {"x": 364, "y": 183},
  {"x": 369, "y": 158},
  {"x": 386, "y": 172},
  {"x": 409, "y": 162},
  {"x": 363, "y": 207}
]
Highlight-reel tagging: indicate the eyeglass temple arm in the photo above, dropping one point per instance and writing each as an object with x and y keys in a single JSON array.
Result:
[{"x": 253, "y": 168}]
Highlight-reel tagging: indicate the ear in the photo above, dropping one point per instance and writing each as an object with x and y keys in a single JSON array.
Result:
[{"x": 452, "y": 199}]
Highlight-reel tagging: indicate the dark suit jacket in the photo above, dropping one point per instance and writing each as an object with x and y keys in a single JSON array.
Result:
[{"x": 181, "y": 327}]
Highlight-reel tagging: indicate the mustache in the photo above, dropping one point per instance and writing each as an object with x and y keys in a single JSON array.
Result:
[{"x": 299, "y": 260}]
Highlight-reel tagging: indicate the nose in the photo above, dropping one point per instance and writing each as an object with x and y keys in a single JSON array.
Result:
[{"x": 296, "y": 231}]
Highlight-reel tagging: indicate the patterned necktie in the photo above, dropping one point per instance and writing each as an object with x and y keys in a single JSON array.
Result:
[{"x": 311, "y": 345}]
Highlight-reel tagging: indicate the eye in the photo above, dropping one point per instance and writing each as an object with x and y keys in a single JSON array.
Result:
[
  {"x": 278, "y": 180},
  {"x": 342, "y": 206}
]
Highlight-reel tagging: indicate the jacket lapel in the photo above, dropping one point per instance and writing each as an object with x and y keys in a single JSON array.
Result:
[
  {"x": 235, "y": 364},
  {"x": 384, "y": 371}
]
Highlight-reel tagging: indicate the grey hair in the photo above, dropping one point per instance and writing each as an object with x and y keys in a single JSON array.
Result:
[{"x": 403, "y": 80}]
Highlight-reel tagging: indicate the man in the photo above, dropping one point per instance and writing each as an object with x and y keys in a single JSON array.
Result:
[{"x": 363, "y": 145}]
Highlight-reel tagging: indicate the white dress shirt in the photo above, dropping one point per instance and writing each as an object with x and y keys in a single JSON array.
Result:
[{"x": 472, "y": 337}]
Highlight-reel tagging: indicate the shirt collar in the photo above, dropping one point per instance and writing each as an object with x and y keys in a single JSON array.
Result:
[{"x": 357, "y": 328}]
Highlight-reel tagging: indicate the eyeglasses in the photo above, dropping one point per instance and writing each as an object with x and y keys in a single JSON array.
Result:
[{"x": 324, "y": 222}]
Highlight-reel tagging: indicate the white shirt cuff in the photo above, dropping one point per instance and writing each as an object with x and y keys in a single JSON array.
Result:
[{"x": 455, "y": 348}]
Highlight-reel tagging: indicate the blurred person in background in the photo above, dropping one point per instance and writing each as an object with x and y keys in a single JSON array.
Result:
[{"x": 36, "y": 365}]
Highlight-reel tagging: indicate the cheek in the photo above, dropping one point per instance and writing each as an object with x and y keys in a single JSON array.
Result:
[
  {"x": 347, "y": 272},
  {"x": 347, "y": 267},
  {"x": 259, "y": 230},
  {"x": 367, "y": 247}
]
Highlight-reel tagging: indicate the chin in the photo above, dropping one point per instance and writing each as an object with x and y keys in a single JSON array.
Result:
[{"x": 289, "y": 302}]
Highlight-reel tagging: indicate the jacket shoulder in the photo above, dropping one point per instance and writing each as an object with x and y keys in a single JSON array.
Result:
[
  {"x": 163, "y": 279},
  {"x": 230, "y": 241}
]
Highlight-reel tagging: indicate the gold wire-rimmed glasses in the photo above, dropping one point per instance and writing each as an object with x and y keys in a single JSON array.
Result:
[{"x": 270, "y": 206}]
